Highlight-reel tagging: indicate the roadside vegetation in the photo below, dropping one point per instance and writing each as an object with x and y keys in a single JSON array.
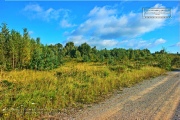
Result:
[
  {"x": 37, "y": 79},
  {"x": 28, "y": 93}
]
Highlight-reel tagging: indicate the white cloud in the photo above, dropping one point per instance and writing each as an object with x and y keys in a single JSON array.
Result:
[
  {"x": 112, "y": 43},
  {"x": 176, "y": 45},
  {"x": 35, "y": 8},
  {"x": 104, "y": 26},
  {"x": 141, "y": 44},
  {"x": 175, "y": 12},
  {"x": 106, "y": 43},
  {"x": 103, "y": 22},
  {"x": 109, "y": 42},
  {"x": 102, "y": 12},
  {"x": 159, "y": 6},
  {"x": 65, "y": 24},
  {"x": 31, "y": 32},
  {"x": 159, "y": 41},
  {"x": 78, "y": 40},
  {"x": 35, "y": 11}
]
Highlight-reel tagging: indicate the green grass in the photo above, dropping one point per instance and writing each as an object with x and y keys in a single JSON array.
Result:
[{"x": 28, "y": 94}]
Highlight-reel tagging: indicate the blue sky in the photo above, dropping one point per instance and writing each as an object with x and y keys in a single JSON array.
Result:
[{"x": 107, "y": 24}]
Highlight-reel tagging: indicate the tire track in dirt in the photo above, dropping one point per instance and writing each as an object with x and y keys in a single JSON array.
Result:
[
  {"x": 155, "y": 106},
  {"x": 143, "y": 107},
  {"x": 169, "y": 105},
  {"x": 119, "y": 106},
  {"x": 133, "y": 98},
  {"x": 146, "y": 107}
]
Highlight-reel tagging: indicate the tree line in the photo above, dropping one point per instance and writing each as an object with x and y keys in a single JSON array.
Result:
[{"x": 23, "y": 52}]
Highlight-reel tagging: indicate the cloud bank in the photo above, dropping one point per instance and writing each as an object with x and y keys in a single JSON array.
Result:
[{"x": 104, "y": 27}]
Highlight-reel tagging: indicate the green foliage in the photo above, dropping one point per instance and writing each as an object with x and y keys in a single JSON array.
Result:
[
  {"x": 176, "y": 61},
  {"x": 23, "y": 52},
  {"x": 5, "y": 83},
  {"x": 78, "y": 54},
  {"x": 85, "y": 58},
  {"x": 70, "y": 49},
  {"x": 119, "y": 68},
  {"x": 131, "y": 54},
  {"x": 164, "y": 60},
  {"x": 111, "y": 61},
  {"x": 84, "y": 49}
]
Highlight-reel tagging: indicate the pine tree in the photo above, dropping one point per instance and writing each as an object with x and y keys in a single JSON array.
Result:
[
  {"x": 4, "y": 47},
  {"x": 36, "y": 55}
]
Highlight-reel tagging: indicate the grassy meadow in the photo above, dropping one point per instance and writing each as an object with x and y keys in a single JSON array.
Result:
[{"x": 29, "y": 94}]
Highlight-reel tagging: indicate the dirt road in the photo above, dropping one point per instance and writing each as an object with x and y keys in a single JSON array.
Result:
[{"x": 154, "y": 99}]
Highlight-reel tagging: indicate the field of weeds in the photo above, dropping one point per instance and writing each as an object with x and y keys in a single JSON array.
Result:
[{"x": 29, "y": 94}]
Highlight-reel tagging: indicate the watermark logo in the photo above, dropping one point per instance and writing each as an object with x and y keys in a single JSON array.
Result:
[{"x": 156, "y": 13}]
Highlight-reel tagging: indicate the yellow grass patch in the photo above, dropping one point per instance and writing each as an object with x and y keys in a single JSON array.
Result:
[{"x": 69, "y": 85}]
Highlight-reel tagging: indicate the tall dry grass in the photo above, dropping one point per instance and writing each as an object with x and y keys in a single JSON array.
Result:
[{"x": 33, "y": 93}]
